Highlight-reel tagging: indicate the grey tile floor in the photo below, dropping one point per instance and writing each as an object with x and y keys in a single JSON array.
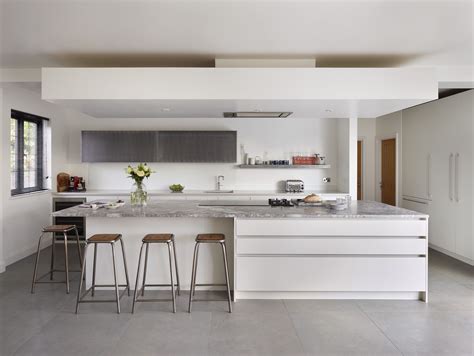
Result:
[{"x": 45, "y": 323}]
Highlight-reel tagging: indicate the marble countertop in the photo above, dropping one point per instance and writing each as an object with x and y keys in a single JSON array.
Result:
[{"x": 191, "y": 209}]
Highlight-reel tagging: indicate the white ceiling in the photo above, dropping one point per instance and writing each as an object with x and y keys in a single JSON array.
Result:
[{"x": 39, "y": 33}]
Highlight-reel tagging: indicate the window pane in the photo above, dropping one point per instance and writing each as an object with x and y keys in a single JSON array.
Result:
[
  {"x": 13, "y": 152},
  {"x": 30, "y": 135}
]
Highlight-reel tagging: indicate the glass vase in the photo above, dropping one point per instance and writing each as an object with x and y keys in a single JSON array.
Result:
[{"x": 139, "y": 194}]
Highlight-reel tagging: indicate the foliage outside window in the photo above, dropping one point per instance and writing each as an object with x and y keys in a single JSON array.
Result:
[{"x": 27, "y": 153}]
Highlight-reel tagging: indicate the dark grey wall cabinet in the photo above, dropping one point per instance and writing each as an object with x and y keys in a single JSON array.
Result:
[{"x": 159, "y": 146}]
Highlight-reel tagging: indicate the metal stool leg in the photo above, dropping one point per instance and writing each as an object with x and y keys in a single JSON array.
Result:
[
  {"x": 117, "y": 295},
  {"x": 81, "y": 281},
  {"x": 193, "y": 278},
  {"x": 125, "y": 266},
  {"x": 135, "y": 293},
  {"x": 224, "y": 252},
  {"x": 78, "y": 246},
  {"x": 94, "y": 263},
  {"x": 195, "y": 273},
  {"x": 145, "y": 269},
  {"x": 53, "y": 249},
  {"x": 35, "y": 271},
  {"x": 171, "y": 276},
  {"x": 176, "y": 266},
  {"x": 66, "y": 262}
]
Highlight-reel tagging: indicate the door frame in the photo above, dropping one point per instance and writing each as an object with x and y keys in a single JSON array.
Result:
[
  {"x": 378, "y": 165},
  {"x": 363, "y": 139}
]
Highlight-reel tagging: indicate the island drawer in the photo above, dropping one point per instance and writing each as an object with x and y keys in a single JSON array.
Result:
[
  {"x": 331, "y": 227},
  {"x": 330, "y": 245},
  {"x": 331, "y": 274}
]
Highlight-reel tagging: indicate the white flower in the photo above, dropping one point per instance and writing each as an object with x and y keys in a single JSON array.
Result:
[
  {"x": 140, "y": 173},
  {"x": 129, "y": 170}
]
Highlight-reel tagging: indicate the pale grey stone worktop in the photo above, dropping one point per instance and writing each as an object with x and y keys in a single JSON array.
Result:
[{"x": 191, "y": 209}]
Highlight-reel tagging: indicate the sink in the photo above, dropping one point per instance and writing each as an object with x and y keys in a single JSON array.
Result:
[{"x": 218, "y": 191}]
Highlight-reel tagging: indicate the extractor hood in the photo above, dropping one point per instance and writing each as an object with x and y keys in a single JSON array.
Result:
[{"x": 258, "y": 114}]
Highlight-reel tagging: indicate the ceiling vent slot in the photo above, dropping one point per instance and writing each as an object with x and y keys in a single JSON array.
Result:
[{"x": 258, "y": 114}]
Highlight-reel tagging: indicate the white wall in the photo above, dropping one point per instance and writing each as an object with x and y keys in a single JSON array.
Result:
[
  {"x": 2, "y": 178},
  {"x": 389, "y": 126},
  {"x": 278, "y": 138},
  {"x": 367, "y": 133},
  {"x": 27, "y": 214}
]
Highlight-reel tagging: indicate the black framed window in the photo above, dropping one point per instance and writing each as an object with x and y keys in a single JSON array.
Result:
[{"x": 27, "y": 153}]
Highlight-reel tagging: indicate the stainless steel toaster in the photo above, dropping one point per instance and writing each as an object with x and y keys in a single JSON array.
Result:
[{"x": 294, "y": 186}]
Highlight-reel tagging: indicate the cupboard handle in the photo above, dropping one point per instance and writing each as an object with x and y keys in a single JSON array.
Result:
[
  {"x": 456, "y": 177},
  {"x": 428, "y": 177},
  {"x": 451, "y": 156}
]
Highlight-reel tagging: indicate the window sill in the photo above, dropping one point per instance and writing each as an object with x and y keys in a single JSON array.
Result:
[{"x": 31, "y": 194}]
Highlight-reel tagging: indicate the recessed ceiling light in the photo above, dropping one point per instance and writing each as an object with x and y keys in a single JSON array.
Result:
[{"x": 166, "y": 109}]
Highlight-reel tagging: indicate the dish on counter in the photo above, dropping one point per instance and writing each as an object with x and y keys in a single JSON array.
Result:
[
  {"x": 176, "y": 188},
  {"x": 98, "y": 204},
  {"x": 115, "y": 205}
]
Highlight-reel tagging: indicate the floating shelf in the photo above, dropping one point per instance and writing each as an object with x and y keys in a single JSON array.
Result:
[{"x": 295, "y": 166}]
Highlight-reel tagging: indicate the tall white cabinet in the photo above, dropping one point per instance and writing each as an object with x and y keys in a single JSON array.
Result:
[{"x": 437, "y": 170}]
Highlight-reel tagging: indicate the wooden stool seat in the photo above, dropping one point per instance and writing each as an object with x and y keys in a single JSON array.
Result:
[
  {"x": 98, "y": 238},
  {"x": 158, "y": 238},
  {"x": 59, "y": 228},
  {"x": 210, "y": 237}
]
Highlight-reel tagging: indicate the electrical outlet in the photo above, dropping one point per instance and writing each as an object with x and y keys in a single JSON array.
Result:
[{"x": 327, "y": 179}]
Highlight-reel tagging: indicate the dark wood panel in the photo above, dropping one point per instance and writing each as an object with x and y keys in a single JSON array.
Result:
[
  {"x": 159, "y": 146},
  {"x": 197, "y": 146},
  {"x": 389, "y": 171},
  {"x": 118, "y": 146}
]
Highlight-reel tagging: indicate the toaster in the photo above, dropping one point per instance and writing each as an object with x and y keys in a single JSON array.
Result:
[{"x": 294, "y": 186}]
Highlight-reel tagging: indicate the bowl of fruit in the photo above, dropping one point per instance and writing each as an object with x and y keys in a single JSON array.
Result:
[{"x": 176, "y": 188}]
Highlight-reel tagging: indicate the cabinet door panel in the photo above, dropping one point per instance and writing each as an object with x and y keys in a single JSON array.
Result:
[{"x": 462, "y": 120}]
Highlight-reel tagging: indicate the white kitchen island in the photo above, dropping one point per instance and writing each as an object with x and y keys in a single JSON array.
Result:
[{"x": 368, "y": 251}]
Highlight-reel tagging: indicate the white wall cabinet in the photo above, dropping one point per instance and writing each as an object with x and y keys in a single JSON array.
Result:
[{"x": 437, "y": 170}]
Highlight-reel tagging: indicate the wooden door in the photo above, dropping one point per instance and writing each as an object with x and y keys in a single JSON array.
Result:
[
  {"x": 388, "y": 184},
  {"x": 359, "y": 170}
]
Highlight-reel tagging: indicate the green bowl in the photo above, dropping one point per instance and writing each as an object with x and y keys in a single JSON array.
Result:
[{"x": 176, "y": 188}]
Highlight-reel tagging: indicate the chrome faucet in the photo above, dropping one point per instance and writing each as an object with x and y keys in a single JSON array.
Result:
[{"x": 219, "y": 183}]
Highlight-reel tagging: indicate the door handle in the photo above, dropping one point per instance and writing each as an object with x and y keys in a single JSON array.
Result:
[
  {"x": 456, "y": 178},
  {"x": 451, "y": 156}
]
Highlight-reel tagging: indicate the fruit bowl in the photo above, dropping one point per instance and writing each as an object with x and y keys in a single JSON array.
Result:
[{"x": 176, "y": 188}]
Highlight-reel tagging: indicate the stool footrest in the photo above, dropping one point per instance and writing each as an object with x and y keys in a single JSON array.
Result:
[
  {"x": 38, "y": 279},
  {"x": 81, "y": 299},
  {"x": 153, "y": 300},
  {"x": 210, "y": 285}
]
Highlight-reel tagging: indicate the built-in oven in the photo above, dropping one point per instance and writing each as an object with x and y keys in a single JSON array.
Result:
[{"x": 64, "y": 203}]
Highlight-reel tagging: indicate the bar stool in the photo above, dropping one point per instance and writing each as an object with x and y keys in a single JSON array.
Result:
[
  {"x": 209, "y": 238},
  {"x": 96, "y": 240},
  {"x": 157, "y": 239},
  {"x": 53, "y": 229}
]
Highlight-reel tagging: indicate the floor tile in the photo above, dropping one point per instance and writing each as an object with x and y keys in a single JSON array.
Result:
[
  {"x": 77, "y": 335},
  {"x": 336, "y": 333},
  {"x": 165, "y": 333},
  {"x": 428, "y": 333},
  {"x": 310, "y": 306},
  {"x": 253, "y": 334}
]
